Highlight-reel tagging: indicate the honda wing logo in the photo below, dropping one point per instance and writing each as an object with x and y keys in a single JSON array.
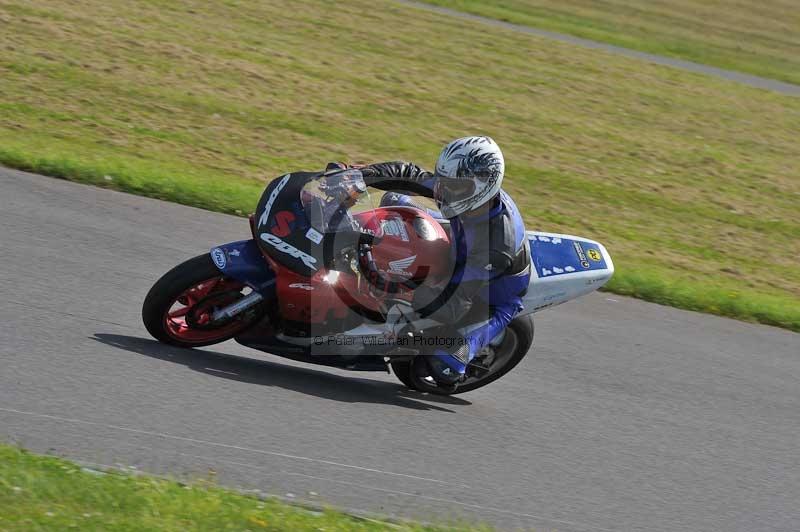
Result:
[{"x": 401, "y": 265}]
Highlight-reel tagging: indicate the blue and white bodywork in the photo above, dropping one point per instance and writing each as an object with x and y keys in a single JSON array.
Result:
[{"x": 564, "y": 267}]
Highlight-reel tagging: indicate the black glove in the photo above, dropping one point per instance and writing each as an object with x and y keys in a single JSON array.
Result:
[{"x": 335, "y": 167}]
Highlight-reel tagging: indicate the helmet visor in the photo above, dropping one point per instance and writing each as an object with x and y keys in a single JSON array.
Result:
[{"x": 449, "y": 190}]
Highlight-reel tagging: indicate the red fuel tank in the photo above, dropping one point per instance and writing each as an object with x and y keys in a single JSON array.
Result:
[{"x": 413, "y": 244}]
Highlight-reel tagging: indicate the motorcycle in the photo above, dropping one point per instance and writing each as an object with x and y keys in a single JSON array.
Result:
[{"x": 326, "y": 270}]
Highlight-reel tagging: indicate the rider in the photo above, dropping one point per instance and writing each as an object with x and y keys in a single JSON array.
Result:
[{"x": 490, "y": 250}]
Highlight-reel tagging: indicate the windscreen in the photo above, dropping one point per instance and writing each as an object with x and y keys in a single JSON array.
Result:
[{"x": 330, "y": 200}]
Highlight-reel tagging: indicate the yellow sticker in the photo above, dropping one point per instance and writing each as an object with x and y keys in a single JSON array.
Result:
[{"x": 594, "y": 255}]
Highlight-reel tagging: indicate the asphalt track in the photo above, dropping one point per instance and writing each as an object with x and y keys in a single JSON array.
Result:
[
  {"x": 731, "y": 75},
  {"x": 625, "y": 416}
]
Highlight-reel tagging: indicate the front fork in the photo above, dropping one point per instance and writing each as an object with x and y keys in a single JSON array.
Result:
[{"x": 249, "y": 301}]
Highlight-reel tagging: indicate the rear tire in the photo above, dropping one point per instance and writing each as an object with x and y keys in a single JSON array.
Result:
[
  {"x": 173, "y": 285},
  {"x": 521, "y": 334},
  {"x": 402, "y": 370},
  {"x": 523, "y": 328}
]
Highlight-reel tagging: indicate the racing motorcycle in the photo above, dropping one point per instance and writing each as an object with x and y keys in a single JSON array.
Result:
[{"x": 326, "y": 271}]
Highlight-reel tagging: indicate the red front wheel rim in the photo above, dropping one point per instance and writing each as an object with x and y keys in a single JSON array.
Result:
[{"x": 188, "y": 317}]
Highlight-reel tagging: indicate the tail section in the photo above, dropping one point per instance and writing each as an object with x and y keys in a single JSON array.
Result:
[{"x": 564, "y": 267}]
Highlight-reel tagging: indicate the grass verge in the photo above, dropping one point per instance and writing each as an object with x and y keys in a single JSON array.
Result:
[
  {"x": 690, "y": 182},
  {"x": 757, "y": 37},
  {"x": 47, "y": 493}
]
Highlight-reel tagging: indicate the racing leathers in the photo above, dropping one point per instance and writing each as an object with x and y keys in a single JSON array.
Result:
[{"x": 491, "y": 268}]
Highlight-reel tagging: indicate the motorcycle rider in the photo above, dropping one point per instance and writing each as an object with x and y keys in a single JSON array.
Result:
[{"x": 489, "y": 248}]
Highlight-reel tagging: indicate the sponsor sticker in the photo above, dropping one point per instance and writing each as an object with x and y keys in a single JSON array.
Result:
[
  {"x": 395, "y": 227},
  {"x": 274, "y": 194},
  {"x": 594, "y": 254},
  {"x": 581, "y": 254},
  {"x": 218, "y": 256},
  {"x": 551, "y": 239},
  {"x": 314, "y": 235},
  {"x": 285, "y": 247},
  {"x": 283, "y": 224}
]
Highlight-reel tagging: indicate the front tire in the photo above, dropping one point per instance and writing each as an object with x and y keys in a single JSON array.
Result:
[{"x": 177, "y": 308}]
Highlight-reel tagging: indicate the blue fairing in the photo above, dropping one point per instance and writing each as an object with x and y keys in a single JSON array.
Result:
[
  {"x": 559, "y": 256},
  {"x": 244, "y": 262}
]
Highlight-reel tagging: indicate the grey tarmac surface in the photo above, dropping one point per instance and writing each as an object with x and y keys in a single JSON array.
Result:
[
  {"x": 739, "y": 77},
  {"x": 625, "y": 416}
]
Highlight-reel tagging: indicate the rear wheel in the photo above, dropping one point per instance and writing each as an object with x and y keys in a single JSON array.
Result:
[
  {"x": 489, "y": 365},
  {"x": 402, "y": 370},
  {"x": 178, "y": 308}
]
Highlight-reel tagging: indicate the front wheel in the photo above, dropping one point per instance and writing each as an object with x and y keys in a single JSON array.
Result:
[
  {"x": 494, "y": 362},
  {"x": 178, "y": 308}
]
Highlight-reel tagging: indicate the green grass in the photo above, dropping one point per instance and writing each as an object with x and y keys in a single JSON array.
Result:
[
  {"x": 47, "y": 493},
  {"x": 758, "y": 37},
  {"x": 691, "y": 182}
]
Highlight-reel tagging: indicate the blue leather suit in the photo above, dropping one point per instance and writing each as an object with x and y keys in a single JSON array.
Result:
[{"x": 491, "y": 263}]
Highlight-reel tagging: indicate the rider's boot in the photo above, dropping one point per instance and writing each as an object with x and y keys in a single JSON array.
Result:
[{"x": 446, "y": 369}]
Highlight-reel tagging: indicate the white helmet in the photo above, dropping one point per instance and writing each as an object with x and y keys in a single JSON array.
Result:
[{"x": 469, "y": 173}]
